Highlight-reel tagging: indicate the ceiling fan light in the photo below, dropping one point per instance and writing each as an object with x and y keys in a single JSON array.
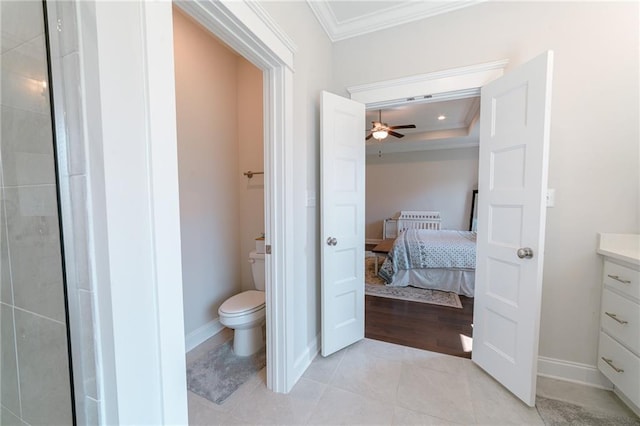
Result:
[{"x": 380, "y": 134}]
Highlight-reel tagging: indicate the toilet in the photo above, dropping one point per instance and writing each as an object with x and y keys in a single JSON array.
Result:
[{"x": 245, "y": 312}]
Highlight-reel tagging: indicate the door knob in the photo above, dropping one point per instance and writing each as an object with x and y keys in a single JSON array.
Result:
[
  {"x": 332, "y": 241},
  {"x": 525, "y": 253}
]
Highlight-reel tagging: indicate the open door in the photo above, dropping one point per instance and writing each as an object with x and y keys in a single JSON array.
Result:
[
  {"x": 342, "y": 222},
  {"x": 514, "y": 147}
]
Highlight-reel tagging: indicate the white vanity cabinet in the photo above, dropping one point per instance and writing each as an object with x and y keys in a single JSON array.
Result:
[{"x": 619, "y": 346}]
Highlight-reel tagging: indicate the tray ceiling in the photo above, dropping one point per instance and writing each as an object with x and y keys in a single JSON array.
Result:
[{"x": 458, "y": 129}]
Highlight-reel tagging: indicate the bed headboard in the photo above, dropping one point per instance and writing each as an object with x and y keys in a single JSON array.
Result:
[{"x": 417, "y": 219}]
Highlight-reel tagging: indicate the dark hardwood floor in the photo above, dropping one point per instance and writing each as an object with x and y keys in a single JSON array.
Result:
[{"x": 419, "y": 325}]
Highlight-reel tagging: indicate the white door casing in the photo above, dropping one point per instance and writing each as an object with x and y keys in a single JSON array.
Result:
[
  {"x": 249, "y": 30},
  {"x": 513, "y": 164},
  {"x": 342, "y": 222}
]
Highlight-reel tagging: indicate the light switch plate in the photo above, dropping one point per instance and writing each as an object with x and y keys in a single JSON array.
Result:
[
  {"x": 311, "y": 198},
  {"x": 551, "y": 197}
]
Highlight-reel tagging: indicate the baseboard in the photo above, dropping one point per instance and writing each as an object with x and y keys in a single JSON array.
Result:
[
  {"x": 200, "y": 334},
  {"x": 373, "y": 241},
  {"x": 583, "y": 374},
  {"x": 306, "y": 358}
]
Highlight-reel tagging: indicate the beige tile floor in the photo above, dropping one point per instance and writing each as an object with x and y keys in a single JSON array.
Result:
[{"x": 374, "y": 382}]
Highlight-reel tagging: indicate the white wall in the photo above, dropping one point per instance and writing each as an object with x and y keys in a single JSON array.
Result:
[
  {"x": 439, "y": 180},
  {"x": 127, "y": 91},
  {"x": 219, "y": 122},
  {"x": 312, "y": 74},
  {"x": 594, "y": 161}
]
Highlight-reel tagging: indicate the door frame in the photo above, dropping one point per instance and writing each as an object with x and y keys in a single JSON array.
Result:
[
  {"x": 451, "y": 84},
  {"x": 247, "y": 28},
  {"x": 438, "y": 86}
]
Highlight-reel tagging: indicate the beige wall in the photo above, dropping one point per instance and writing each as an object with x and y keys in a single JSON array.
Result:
[
  {"x": 439, "y": 180},
  {"x": 594, "y": 159},
  {"x": 219, "y": 123}
]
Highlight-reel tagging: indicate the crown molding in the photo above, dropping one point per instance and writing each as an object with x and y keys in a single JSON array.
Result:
[{"x": 399, "y": 14}]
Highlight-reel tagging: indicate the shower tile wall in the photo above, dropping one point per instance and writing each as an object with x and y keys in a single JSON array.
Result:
[{"x": 34, "y": 374}]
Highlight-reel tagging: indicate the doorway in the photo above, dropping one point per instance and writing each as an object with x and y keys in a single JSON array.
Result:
[
  {"x": 219, "y": 120},
  {"x": 429, "y": 163},
  {"x": 237, "y": 28},
  {"x": 513, "y": 163}
]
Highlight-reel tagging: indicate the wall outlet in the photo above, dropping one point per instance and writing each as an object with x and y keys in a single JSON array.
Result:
[{"x": 551, "y": 197}]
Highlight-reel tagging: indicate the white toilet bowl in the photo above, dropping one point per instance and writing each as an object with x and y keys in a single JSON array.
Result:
[{"x": 245, "y": 312}]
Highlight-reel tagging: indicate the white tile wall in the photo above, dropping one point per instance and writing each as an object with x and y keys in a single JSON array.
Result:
[
  {"x": 34, "y": 247},
  {"x": 45, "y": 392},
  {"x": 71, "y": 140},
  {"x": 35, "y": 377},
  {"x": 21, "y": 21},
  {"x": 9, "y": 394},
  {"x": 73, "y": 115}
]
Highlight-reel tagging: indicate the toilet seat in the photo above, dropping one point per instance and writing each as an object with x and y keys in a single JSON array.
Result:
[{"x": 243, "y": 304}]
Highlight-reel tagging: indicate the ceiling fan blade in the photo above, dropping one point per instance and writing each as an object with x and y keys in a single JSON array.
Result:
[
  {"x": 403, "y": 126},
  {"x": 396, "y": 134},
  {"x": 369, "y": 136}
]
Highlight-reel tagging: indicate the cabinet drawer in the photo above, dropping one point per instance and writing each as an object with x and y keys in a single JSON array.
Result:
[
  {"x": 622, "y": 278},
  {"x": 621, "y": 319},
  {"x": 620, "y": 358}
]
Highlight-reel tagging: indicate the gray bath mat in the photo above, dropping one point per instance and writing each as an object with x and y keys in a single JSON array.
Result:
[
  {"x": 219, "y": 372},
  {"x": 556, "y": 413}
]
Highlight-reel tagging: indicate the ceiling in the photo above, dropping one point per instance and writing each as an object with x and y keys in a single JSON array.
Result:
[
  {"x": 346, "y": 19},
  {"x": 458, "y": 129}
]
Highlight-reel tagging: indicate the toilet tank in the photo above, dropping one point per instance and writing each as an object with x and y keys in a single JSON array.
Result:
[{"x": 257, "y": 269}]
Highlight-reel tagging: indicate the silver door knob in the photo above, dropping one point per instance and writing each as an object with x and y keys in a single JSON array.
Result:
[
  {"x": 332, "y": 241},
  {"x": 525, "y": 253}
]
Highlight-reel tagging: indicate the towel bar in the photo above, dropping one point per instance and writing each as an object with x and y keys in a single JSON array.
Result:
[{"x": 250, "y": 174}]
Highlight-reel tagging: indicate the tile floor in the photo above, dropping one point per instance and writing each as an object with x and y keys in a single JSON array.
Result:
[{"x": 374, "y": 382}]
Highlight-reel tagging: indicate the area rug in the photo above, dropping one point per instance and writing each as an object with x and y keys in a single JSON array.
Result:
[
  {"x": 375, "y": 286},
  {"x": 556, "y": 413},
  {"x": 219, "y": 372}
]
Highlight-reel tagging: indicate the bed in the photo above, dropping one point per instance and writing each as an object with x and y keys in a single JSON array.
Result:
[{"x": 432, "y": 258}]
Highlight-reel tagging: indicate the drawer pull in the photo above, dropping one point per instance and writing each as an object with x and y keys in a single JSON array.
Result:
[
  {"x": 617, "y": 278},
  {"x": 615, "y": 318},
  {"x": 610, "y": 362}
]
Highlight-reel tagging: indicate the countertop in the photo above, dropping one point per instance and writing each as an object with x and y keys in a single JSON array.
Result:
[{"x": 625, "y": 247}]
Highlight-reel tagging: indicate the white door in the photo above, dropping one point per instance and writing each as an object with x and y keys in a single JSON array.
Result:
[
  {"x": 514, "y": 147},
  {"x": 342, "y": 222}
]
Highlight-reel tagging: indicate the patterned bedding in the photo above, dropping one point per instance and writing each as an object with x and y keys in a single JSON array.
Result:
[{"x": 418, "y": 249}]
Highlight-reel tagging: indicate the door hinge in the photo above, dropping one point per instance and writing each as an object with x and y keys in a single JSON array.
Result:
[{"x": 267, "y": 249}]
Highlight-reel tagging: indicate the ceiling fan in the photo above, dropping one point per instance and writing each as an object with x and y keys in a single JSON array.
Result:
[{"x": 381, "y": 130}]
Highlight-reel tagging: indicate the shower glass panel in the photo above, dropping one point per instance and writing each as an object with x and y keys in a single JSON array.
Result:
[{"x": 35, "y": 372}]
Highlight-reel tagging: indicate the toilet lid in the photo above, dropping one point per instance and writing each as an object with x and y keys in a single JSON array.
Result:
[{"x": 244, "y": 302}]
